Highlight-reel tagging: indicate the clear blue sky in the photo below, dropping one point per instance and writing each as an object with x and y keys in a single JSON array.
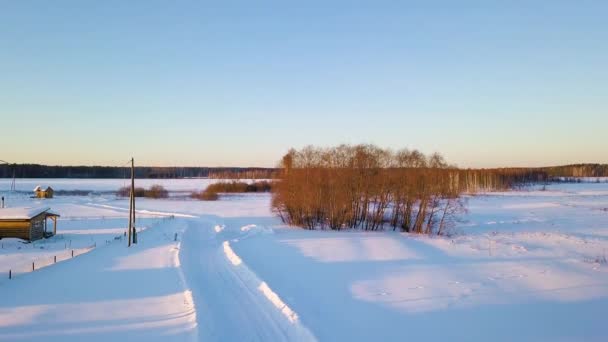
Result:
[{"x": 486, "y": 83}]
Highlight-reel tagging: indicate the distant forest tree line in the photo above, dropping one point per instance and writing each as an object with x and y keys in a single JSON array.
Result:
[
  {"x": 577, "y": 170},
  {"x": 244, "y": 174},
  {"x": 45, "y": 171},
  {"x": 371, "y": 188}
]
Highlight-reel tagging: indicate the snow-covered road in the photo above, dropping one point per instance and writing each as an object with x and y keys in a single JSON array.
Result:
[{"x": 230, "y": 304}]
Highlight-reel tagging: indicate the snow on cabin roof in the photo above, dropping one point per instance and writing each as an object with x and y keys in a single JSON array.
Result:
[
  {"x": 38, "y": 188},
  {"x": 51, "y": 212},
  {"x": 21, "y": 213}
]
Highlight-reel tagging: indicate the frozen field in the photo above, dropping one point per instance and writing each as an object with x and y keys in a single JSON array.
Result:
[
  {"x": 104, "y": 185},
  {"x": 525, "y": 265}
]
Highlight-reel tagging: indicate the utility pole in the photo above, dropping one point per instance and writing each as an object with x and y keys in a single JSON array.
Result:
[
  {"x": 131, "y": 202},
  {"x": 133, "y": 199}
]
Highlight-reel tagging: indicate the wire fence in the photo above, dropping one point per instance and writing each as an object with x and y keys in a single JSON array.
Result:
[
  {"x": 27, "y": 266},
  {"x": 51, "y": 257}
]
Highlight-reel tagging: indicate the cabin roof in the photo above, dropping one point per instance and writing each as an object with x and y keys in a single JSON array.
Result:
[
  {"x": 39, "y": 188},
  {"x": 23, "y": 213}
]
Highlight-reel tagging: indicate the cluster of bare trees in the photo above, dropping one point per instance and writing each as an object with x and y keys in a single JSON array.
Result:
[
  {"x": 211, "y": 193},
  {"x": 578, "y": 170},
  {"x": 371, "y": 188},
  {"x": 240, "y": 187},
  {"x": 487, "y": 180},
  {"x": 155, "y": 191}
]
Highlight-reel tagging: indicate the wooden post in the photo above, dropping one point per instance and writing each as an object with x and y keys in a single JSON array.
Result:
[
  {"x": 55, "y": 259},
  {"x": 72, "y": 253},
  {"x": 33, "y": 268},
  {"x": 10, "y": 274}
]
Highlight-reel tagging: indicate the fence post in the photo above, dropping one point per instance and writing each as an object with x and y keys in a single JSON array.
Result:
[
  {"x": 72, "y": 253},
  {"x": 33, "y": 268},
  {"x": 55, "y": 259},
  {"x": 175, "y": 237},
  {"x": 10, "y": 274}
]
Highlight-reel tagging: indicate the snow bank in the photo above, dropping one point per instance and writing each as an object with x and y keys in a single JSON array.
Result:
[
  {"x": 297, "y": 331},
  {"x": 278, "y": 303},
  {"x": 232, "y": 257},
  {"x": 253, "y": 229}
]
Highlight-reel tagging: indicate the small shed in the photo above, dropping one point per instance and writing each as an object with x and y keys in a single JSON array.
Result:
[
  {"x": 27, "y": 223},
  {"x": 46, "y": 193}
]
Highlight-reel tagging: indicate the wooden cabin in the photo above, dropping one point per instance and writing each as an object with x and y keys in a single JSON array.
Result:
[
  {"x": 47, "y": 193},
  {"x": 27, "y": 223}
]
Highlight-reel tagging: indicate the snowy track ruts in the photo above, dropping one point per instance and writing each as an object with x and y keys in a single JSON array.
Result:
[{"x": 232, "y": 304}]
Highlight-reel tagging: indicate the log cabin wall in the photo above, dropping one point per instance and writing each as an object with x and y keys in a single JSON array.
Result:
[
  {"x": 15, "y": 229},
  {"x": 23, "y": 229}
]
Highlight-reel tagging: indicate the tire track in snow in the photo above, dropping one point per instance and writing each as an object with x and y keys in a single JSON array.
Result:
[
  {"x": 232, "y": 303},
  {"x": 271, "y": 296}
]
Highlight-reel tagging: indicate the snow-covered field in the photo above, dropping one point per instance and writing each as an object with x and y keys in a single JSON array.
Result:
[
  {"x": 525, "y": 265},
  {"x": 105, "y": 185}
]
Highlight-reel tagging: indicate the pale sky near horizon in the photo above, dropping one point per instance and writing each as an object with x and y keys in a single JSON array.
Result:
[{"x": 485, "y": 83}]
